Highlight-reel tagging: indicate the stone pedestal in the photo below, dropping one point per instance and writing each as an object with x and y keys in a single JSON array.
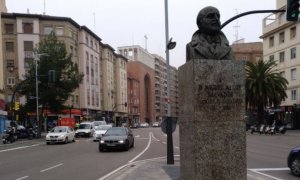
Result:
[{"x": 212, "y": 125}]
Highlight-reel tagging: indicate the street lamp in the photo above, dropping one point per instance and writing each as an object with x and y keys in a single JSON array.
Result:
[
  {"x": 169, "y": 45},
  {"x": 36, "y": 59}
]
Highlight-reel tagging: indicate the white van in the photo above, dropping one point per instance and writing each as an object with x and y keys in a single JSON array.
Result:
[{"x": 85, "y": 129}]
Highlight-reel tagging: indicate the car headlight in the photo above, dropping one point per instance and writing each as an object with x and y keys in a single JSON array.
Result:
[
  {"x": 121, "y": 141},
  {"x": 101, "y": 141},
  {"x": 61, "y": 136}
]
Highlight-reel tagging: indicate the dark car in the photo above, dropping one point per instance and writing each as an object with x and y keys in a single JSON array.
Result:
[
  {"x": 293, "y": 161},
  {"x": 117, "y": 138}
]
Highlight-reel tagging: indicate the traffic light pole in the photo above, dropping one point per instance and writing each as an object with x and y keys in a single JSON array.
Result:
[{"x": 251, "y": 12}]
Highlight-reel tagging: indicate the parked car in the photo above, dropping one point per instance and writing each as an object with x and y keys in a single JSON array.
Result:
[
  {"x": 144, "y": 125},
  {"x": 156, "y": 124},
  {"x": 135, "y": 125},
  {"x": 60, "y": 134},
  {"x": 100, "y": 130},
  {"x": 85, "y": 129},
  {"x": 98, "y": 123},
  {"x": 293, "y": 161},
  {"x": 117, "y": 138}
]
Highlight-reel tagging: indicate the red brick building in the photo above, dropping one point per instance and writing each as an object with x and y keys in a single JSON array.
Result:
[{"x": 143, "y": 76}]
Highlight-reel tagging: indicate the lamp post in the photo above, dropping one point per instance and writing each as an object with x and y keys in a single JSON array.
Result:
[
  {"x": 36, "y": 59},
  {"x": 169, "y": 45}
]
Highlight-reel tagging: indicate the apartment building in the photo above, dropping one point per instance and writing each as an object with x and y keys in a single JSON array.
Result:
[
  {"x": 104, "y": 87},
  {"x": 89, "y": 55},
  {"x": 141, "y": 64},
  {"x": 3, "y": 113},
  {"x": 281, "y": 43},
  {"x": 141, "y": 67},
  {"x": 251, "y": 51},
  {"x": 133, "y": 87}
]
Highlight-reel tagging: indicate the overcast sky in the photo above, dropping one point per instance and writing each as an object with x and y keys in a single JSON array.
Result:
[{"x": 126, "y": 22}]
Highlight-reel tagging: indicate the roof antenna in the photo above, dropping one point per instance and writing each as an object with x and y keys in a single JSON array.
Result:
[{"x": 44, "y": 13}]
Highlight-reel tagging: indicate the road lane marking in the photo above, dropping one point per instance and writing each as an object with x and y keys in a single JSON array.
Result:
[
  {"x": 164, "y": 142},
  {"x": 176, "y": 147},
  {"x": 22, "y": 147},
  {"x": 268, "y": 169},
  {"x": 129, "y": 162},
  {"x": 154, "y": 138},
  {"x": 137, "y": 136},
  {"x": 147, "y": 147},
  {"x": 24, "y": 177},
  {"x": 51, "y": 167}
]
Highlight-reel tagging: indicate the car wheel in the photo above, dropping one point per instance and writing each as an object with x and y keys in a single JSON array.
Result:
[
  {"x": 47, "y": 143},
  {"x": 132, "y": 143},
  {"x": 73, "y": 139},
  {"x": 295, "y": 166},
  {"x": 66, "y": 140},
  {"x": 100, "y": 149},
  {"x": 127, "y": 146}
]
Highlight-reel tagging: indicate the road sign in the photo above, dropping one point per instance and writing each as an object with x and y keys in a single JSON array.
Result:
[{"x": 163, "y": 125}]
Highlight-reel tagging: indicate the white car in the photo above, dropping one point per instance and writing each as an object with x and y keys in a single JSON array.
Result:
[
  {"x": 60, "y": 134},
  {"x": 100, "y": 130},
  {"x": 144, "y": 125},
  {"x": 85, "y": 129}
]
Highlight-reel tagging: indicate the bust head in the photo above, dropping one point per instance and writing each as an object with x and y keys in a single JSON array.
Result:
[{"x": 208, "y": 20}]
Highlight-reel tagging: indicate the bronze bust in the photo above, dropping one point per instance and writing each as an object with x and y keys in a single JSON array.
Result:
[{"x": 209, "y": 42}]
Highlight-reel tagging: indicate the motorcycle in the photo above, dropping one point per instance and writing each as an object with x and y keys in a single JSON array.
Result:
[{"x": 9, "y": 136}]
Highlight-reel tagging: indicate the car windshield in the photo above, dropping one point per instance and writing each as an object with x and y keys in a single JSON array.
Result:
[
  {"x": 84, "y": 126},
  {"x": 115, "y": 132},
  {"x": 103, "y": 127},
  {"x": 97, "y": 123},
  {"x": 58, "y": 129}
]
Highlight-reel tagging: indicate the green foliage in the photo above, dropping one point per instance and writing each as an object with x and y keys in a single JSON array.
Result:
[
  {"x": 264, "y": 86},
  {"x": 52, "y": 95}
]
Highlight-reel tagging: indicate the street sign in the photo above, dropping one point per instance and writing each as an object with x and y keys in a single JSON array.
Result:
[{"x": 163, "y": 125}]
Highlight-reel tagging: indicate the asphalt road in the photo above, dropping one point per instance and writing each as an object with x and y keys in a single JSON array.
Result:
[
  {"x": 34, "y": 160},
  {"x": 80, "y": 160}
]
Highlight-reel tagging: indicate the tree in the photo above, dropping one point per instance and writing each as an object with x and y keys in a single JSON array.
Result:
[
  {"x": 52, "y": 94},
  {"x": 264, "y": 86}
]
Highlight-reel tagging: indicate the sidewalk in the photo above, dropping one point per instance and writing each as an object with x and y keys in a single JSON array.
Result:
[{"x": 158, "y": 168}]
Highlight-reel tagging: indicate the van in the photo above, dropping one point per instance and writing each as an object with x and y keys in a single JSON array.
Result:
[{"x": 85, "y": 129}]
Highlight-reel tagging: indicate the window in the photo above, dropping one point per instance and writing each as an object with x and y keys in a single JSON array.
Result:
[
  {"x": 293, "y": 94},
  {"x": 282, "y": 74},
  {"x": 293, "y": 32},
  {"x": 28, "y": 46},
  {"x": 293, "y": 53},
  {"x": 11, "y": 81},
  {"x": 27, "y": 62},
  {"x": 281, "y": 56},
  {"x": 28, "y": 28},
  {"x": 9, "y": 46},
  {"x": 10, "y": 63},
  {"x": 59, "y": 31},
  {"x": 271, "y": 58},
  {"x": 48, "y": 30},
  {"x": 281, "y": 37},
  {"x": 271, "y": 41},
  {"x": 9, "y": 28},
  {"x": 293, "y": 74}
]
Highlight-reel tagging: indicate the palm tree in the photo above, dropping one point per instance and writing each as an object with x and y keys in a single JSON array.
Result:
[{"x": 264, "y": 86}]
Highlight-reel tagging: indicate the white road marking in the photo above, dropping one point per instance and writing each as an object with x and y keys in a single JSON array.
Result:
[
  {"x": 164, "y": 142},
  {"x": 154, "y": 138},
  {"x": 51, "y": 167},
  {"x": 176, "y": 147},
  {"x": 22, "y": 147},
  {"x": 137, "y": 136},
  {"x": 147, "y": 147},
  {"x": 24, "y": 177},
  {"x": 268, "y": 169}
]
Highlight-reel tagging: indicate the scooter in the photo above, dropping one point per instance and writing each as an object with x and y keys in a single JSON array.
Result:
[{"x": 9, "y": 136}]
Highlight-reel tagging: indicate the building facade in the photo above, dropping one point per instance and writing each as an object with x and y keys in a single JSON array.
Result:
[
  {"x": 281, "y": 43},
  {"x": 252, "y": 51},
  {"x": 104, "y": 86}
]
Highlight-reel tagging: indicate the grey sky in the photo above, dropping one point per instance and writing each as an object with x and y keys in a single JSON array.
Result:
[{"x": 126, "y": 22}]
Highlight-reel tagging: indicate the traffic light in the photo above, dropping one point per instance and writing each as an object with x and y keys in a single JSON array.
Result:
[
  {"x": 17, "y": 106},
  {"x": 51, "y": 76},
  {"x": 292, "y": 10}
]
